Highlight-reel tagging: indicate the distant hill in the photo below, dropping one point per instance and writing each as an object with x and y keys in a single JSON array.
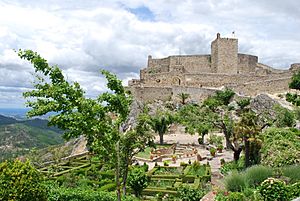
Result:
[
  {"x": 7, "y": 120},
  {"x": 18, "y": 137}
]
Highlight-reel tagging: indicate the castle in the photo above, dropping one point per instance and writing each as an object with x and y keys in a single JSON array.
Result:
[{"x": 201, "y": 75}]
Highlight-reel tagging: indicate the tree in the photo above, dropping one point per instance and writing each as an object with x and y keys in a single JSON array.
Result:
[
  {"x": 248, "y": 130},
  {"x": 160, "y": 123},
  {"x": 133, "y": 142},
  {"x": 194, "y": 118},
  {"x": 183, "y": 97},
  {"x": 101, "y": 120}
]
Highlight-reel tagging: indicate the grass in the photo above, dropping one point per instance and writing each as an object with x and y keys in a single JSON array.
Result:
[
  {"x": 292, "y": 172},
  {"x": 235, "y": 182},
  {"x": 257, "y": 174},
  {"x": 168, "y": 171}
]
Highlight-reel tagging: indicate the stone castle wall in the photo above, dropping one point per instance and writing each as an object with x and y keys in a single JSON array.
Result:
[
  {"x": 246, "y": 63},
  {"x": 202, "y": 75}
]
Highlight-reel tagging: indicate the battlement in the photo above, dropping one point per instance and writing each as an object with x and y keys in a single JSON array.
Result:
[{"x": 199, "y": 74}]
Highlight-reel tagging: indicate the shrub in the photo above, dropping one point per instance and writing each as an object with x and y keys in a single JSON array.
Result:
[
  {"x": 281, "y": 147},
  {"x": 233, "y": 165},
  {"x": 292, "y": 172},
  {"x": 138, "y": 180},
  {"x": 273, "y": 189},
  {"x": 235, "y": 182},
  {"x": 284, "y": 117},
  {"x": 257, "y": 174},
  {"x": 20, "y": 181},
  {"x": 78, "y": 194},
  {"x": 294, "y": 190},
  {"x": 186, "y": 193},
  {"x": 236, "y": 196}
]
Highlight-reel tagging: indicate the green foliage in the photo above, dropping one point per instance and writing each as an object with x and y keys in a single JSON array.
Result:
[
  {"x": 233, "y": 165},
  {"x": 243, "y": 102},
  {"x": 183, "y": 97},
  {"x": 186, "y": 193},
  {"x": 293, "y": 98},
  {"x": 225, "y": 96},
  {"x": 138, "y": 180},
  {"x": 281, "y": 147},
  {"x": 257, "y": 174},
  {"x": 295, "y": 83},
  {"x": 99, "y": 119},
  {"x": 235, "y": 182},
  {"x": 236, "y": 196},
  {"x": 294, "y": 190},
  {"x": 273, "y": 189},
  {"x": 284, "y": 117},
  {"x": 195, "y": 120},
  {"x": 160, "y": 122},
  {"x": 20, "y": 181},
  {"x": 78, "y": 194},
  {"x": 292, "y": 172}
]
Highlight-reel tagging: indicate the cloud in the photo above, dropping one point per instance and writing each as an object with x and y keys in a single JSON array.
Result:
[{"x": 118, "y": 35}]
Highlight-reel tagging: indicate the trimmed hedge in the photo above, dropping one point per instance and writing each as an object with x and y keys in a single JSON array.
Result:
[{"x": 76, "y": 194}]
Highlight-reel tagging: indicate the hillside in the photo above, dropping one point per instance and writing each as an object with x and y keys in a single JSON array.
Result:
[{"x": 18, "y": 137}]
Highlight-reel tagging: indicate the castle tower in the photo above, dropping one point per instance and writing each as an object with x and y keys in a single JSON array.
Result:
[{"x": 224, "y": 55}]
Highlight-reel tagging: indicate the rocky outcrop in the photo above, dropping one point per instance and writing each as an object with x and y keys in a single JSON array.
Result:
[{"x": 263, "y": 104}]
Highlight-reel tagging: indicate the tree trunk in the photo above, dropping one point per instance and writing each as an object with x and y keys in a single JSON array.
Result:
[
  {"x": 161, "y": 138},
  {"x": 236, "y": 153},
  {"x": 118, "y": 171},
  {"x": 247, "y": 152},
  {"x": 125, "y": 178},
  {"x": 228, "y": 143}
]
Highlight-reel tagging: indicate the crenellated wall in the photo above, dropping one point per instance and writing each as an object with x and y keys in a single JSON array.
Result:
[{"x": 202, "y": 75}]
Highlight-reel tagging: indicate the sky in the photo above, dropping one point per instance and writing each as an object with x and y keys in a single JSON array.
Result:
[{"x": 84, "y": 36}]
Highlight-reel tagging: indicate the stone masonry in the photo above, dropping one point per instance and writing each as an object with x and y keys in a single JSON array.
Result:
[{"x": 201, "y": 75}]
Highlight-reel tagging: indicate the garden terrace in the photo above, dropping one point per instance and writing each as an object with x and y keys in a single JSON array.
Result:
[{"x": 167, "y": 180}]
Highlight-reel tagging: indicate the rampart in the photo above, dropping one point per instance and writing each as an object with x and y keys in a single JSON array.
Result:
[{"x": 202, "y": 75}]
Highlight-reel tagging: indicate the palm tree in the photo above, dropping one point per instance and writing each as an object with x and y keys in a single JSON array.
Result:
[{"x": 183, "y": 97}]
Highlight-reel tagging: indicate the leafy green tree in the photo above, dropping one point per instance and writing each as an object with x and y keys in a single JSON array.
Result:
[
  {"x": 100, "y": 120},
  {"x": 20, "y": 181},
  {"x": 133, "y": 142},
  {"x": 160, "y": 123},
  {"x": 138, "y": 180},
  {"x": 183, "y": 97},
  {"x": 194, "y": 118}
]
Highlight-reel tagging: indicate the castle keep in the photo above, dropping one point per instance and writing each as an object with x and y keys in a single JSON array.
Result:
[{"x": 202, "y": 75}]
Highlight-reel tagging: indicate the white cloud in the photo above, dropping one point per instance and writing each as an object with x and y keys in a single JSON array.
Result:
[{"x": 83, "y": 37}]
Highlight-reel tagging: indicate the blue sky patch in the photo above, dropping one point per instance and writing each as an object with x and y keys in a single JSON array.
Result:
[{"x": 143, "y": 13}]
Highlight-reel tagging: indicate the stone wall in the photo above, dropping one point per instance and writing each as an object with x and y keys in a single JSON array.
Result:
[
  {"x": 145, "y": 94},
  {"x": 192, "y": 63},
  {"x": 246, "y": 63},
  {"x": 196, "y": 94},
  {"x": 265, "y": 86}
]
